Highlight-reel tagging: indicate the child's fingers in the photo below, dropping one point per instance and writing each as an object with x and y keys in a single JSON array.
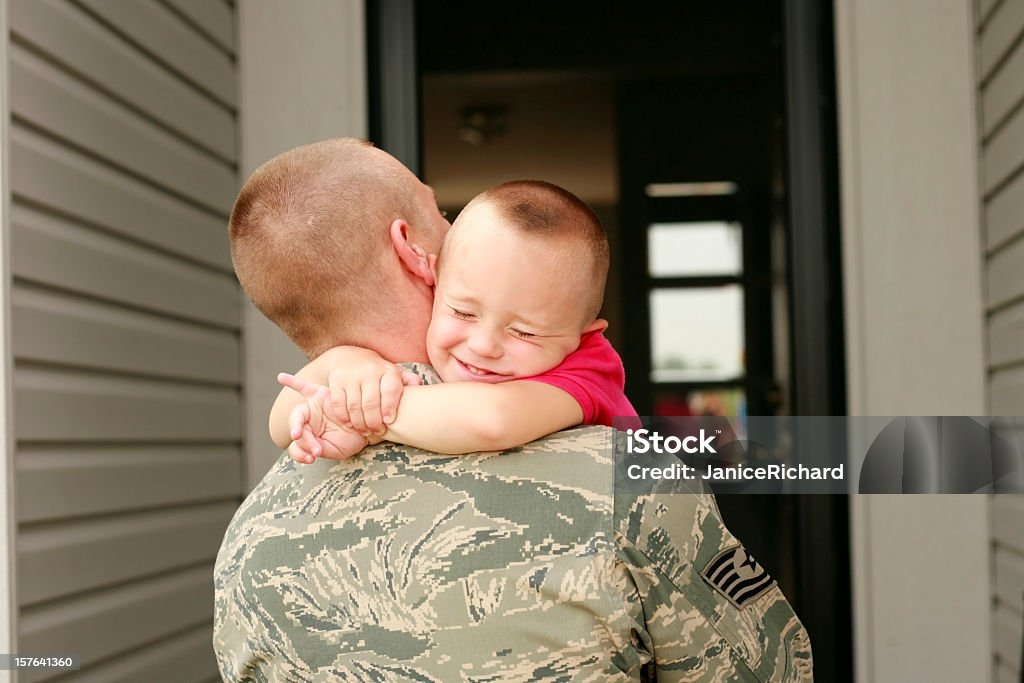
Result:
[
  {"x": 339, "y": 403},
  {"x": 300, "y": 455},
  {"x": 307, "y": 389},
  {"x": 309, "y": 443},
  {"x": 298, "y": 419},
  {"x": 390, "y": 394},
  {"x": 410, "y": 378},
  {"x": 339, "y": 406},
  {"x": 371, "y": 404},
  {"x": 296, "y": 453},
  {"x": 354, "y": 403}
]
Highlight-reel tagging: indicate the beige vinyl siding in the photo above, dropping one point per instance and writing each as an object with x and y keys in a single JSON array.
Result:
[
  {"x": 125, "y": 319},
  {"x": 1000, "y": 68}
]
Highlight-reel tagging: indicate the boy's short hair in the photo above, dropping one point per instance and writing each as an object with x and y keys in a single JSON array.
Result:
[
  {"x": 308, "y": 235},
  {"x": 545, "y": 210}
]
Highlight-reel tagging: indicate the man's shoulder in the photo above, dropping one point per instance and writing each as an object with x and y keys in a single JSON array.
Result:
[
  {"x": 595, "y": 443},
  {"x": 679, "y": 542},
  {"x": 594, "y": 440},
  {"x": 460, "y": 536},
  {"x": 580, "y": 458}
]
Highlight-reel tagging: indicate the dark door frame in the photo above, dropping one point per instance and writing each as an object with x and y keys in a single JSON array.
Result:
[
  {"x": 393, "y": 80},
  {"x": 816, "y": 309},
  {"x": 816, "y": 305}
]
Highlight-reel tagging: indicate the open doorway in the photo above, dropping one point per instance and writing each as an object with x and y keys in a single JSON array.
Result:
[
  {"x": 667, "y": 121},
  {"x": 671, "y": 121}
]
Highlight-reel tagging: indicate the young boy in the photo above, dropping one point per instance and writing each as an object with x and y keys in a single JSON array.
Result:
[{"x": 514, "y": 335}]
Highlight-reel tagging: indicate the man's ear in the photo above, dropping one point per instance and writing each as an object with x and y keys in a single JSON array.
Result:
[
  {"x": 413, "y": 257},
  {"x": 599, "y": 325}
]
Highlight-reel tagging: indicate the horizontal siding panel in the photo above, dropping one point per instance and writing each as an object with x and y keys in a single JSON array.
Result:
[
  {"x": 1009, "y": 582},
  {"x": 56, "y": 177},
  {"x": 1003, "y": 154},
  {"x": 119, "y": 620},
  {"x": 1005, "y": 282},
  {"x": 216, "y": 20},
  {"x": 52, "y": 405},
  {"x": 983, "y": 8},
  {"x": 57, "y": 483},
  {"x": 56, "y": 103},
  {"x": 53, "y": 328},
  {"x": 185, "y": 657},
  {"x": 125, "y": 329},
  {"x": 1007, "y": 631},
  {"x": 1004, "y": 214},
  {"x": 83, "y": 46},
  {"x": 1006, "y": 336},
  {"x": 1004, "y": 91},
  {"x": 60, "y": 560},
  {"x": 999, "y": 33},
  {"x": 49, "y": 251},
  {"x": 1006, "y": 392},
  {"x": 1008, "y": 522},
  {"x": 173, "y": 42}
]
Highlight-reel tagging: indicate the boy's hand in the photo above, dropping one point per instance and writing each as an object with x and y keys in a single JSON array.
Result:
[
  {"x": 313, "y": 429},
  {"x": 365, "y": 392}
]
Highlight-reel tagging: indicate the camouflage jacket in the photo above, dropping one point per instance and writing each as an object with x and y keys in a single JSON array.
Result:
[{"x": 404, "y": 565}]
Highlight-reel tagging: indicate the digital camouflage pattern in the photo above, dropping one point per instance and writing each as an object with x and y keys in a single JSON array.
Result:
[{"x": 403, "y": 565}]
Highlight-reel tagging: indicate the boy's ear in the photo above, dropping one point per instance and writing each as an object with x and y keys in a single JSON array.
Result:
[
  {"x": 413, "y": 257},
  {"x": 599, "y": 325}
]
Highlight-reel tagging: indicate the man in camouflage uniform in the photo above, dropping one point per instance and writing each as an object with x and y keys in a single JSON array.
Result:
[{"x": 527, "y": 565}]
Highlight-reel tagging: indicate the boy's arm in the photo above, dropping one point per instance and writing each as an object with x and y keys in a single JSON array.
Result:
[
  {"x": 465, "y": 417},
  {"x": 315, "y": 371},
  {"x": 314, "y": 427},
  {"x": 365, "y": 390}
]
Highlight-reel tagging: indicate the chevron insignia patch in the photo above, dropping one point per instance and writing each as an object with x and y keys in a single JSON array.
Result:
[{"x": 736, "y": 574}]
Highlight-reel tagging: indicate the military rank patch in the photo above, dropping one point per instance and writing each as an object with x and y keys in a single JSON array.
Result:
[{"x": 736, "y": 574}]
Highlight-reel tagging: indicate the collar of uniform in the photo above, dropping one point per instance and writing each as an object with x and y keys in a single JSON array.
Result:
[{"x": 425, "y": 372}]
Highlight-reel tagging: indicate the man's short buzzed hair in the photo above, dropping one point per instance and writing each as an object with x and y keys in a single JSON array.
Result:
[
  {"x": 308, "y": 235},
  {"x": 547, "y": 211}
]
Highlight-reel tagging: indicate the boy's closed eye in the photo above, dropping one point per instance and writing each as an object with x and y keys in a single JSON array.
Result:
[{"x": 461, "y": 315}]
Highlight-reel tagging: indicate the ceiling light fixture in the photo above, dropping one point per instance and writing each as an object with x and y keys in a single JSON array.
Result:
[{"x": 480, "y": 124}]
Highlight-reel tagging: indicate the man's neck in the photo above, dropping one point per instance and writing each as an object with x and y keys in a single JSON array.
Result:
[
  {"x": 393, "y": 347},
  {"x": 400, "y": 335},
  {"x": 397, "y": 331},
  {"x": 407, "y": 355}
]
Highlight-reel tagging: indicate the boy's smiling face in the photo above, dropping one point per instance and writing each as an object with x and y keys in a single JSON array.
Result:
[{"x": 507, "y": 305}]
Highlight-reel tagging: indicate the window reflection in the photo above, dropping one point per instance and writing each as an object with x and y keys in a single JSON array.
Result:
[
  {"x": 696, "y": 334},
  {"x": 689, "y": 249}
]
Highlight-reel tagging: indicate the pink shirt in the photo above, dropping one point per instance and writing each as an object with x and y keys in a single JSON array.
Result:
[{"x": 593, "y": 375}]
